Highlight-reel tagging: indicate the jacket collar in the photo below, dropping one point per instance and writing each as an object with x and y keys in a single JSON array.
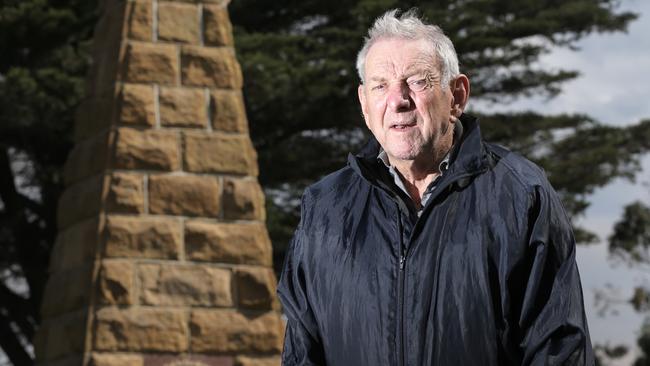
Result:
[{"x": 468, "y": 156}]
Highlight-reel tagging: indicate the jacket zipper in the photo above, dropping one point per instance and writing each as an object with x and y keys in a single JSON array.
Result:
[
  {"x": 401, "y": 281},
  {"x": 400, "y": 293}
]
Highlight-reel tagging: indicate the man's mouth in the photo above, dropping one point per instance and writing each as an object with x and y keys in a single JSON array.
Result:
[{"x": 402, "y": 126}]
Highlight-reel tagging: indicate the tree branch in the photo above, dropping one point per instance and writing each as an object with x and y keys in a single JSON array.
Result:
[
  {"x": 10, "y": 344},
  {"x": 19, "y": 309},
  {"x": 8, "y": 190}
]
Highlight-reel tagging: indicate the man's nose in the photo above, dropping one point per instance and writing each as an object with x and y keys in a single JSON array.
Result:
[{"x": 398, "y": 97}]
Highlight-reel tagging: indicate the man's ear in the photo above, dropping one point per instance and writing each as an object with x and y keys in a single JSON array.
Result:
[
  {"x": 362, "y": 101},
  {"x": 460, "y": 91}
]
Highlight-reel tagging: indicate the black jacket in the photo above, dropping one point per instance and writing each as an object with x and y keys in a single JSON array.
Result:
[{"x": 485, "y": 276}]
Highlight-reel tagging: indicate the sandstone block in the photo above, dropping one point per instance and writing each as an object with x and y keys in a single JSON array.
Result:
[
  {"x": 149, "y": 149},
  {"x": 107, "y": 39},
  {"x": 80, "y": 201},
  {"x": 113, "y": 359},
  {"x": 104, "y": 70},
  {"x": 116, "y": 282},
  {"x": 227, "y": 111},
  {"x": 230, "y": 331},
  {"x": 142, "y": 237},
  {"x": 216, "y": 2},
  {"x": 135, "y": 329},
  {"x": 65, "y": 335},
  {"x": 217, "y": 26},
  {"x": 66, "y": 291},
  {"x": 229, "y": 243},
  {"x": 125, "y": 193},
  {"x": 215, "y": 153},
  {"x": 258, "y": 361},
  {"x": 136, "y": 105},
  {"x": 243, "y": 200},
  {"x": 184, "y": 195},
  {"x": 255, "y": 287},
  {"x": 211, "y": 67},
  {"x": 86, "y": 159},
  {"x": 39, "y": 342},
  {"x": 74, "y": 360},
  {"x": 92, "y": 117},
  {"x": 75, "y": 245},
  {"x": 178, "y": 22},
  {"x": 185, "y": 285},
  {"x": 187, "y": 360},
  {"x": 139, "y": 20},
  {"x": 182, "y": 107},
  {"x": 150, "y": 63}
]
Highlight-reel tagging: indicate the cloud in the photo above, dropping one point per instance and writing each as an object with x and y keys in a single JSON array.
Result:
[{"x": 614, "y": 85}]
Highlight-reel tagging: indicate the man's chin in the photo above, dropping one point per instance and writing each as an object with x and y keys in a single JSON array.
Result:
[{"x": 402, "y": 155}]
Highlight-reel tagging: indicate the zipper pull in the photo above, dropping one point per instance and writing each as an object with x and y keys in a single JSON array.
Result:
[{"x": 401, "y": 262}]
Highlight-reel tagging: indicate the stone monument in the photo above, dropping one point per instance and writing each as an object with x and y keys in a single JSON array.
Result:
[{"x": 162, "y": 256}]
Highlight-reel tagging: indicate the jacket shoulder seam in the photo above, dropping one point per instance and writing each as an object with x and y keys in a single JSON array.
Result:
[{"x": 506, "y": 160}]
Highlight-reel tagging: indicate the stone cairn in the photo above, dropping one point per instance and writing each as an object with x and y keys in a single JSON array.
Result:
[{"x": 162, "y": 256}]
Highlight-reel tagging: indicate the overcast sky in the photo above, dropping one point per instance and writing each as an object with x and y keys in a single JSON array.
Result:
[
  {"x": 615, "y": 74},
  {"x": 614, "y": 88}
]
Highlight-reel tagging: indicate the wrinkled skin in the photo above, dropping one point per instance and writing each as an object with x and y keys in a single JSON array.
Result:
[{"x": 406, "y": 108}]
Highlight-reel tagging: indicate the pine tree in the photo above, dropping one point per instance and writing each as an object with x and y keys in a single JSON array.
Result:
[
  {"x": 300, "y": 88},
  {"x": 631, "y": 237},
  {"x": 43, "y": 46}
]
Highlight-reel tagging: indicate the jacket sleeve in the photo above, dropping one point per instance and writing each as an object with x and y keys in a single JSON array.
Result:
[
  {"x": 552, "y": 321},
  {"x": 302, "y": 341}
]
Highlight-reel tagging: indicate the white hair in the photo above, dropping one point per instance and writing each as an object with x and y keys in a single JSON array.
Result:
[{"x": 409, "y": 26}]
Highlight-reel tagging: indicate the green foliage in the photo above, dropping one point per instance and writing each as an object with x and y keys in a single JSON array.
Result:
[
  {"x": 641, "y": 299},
  {"x": 603, "y": 353},
  {"x": 44, "y": 60},
  {"x": 631, "y": 237},
  {"x": 644, "y": 344},
  {"x": 301, "y": 96}
]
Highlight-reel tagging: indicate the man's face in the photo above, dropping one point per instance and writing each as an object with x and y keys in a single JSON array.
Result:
[{"x": 404, "y": 105}]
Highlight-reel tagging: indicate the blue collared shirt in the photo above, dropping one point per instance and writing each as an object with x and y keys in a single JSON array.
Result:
[{"x": 444, "y": 165}]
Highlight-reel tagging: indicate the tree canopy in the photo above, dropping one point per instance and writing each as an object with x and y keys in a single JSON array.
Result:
[
  {"x": 300, "y": 88},
  {"x": 43, "y": 46}
]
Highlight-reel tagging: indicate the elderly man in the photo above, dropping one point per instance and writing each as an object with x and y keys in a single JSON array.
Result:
[{"x": 431, "y": 247}]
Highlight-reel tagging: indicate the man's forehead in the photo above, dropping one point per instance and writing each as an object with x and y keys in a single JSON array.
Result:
[
  {"x": 412, "y": 57},
  {"x": 383, "y": 68},
  {"x": 419, "y": 64}
]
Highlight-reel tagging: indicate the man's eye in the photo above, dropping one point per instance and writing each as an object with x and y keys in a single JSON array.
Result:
[
  {"x": 378, "y": 87},
  {"x": 418, "y": 85}
]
